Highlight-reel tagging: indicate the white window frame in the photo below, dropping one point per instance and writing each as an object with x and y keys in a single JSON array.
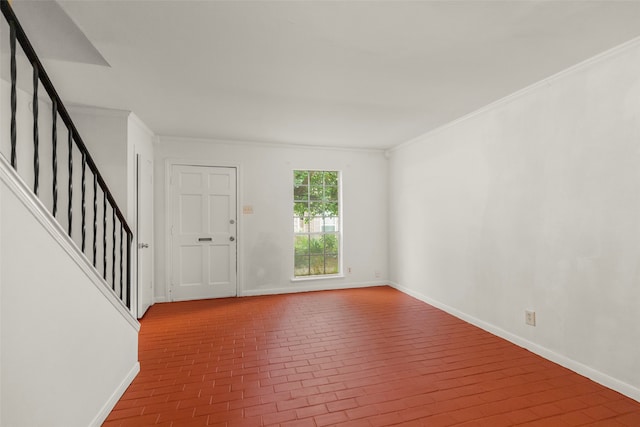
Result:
[{"x": 340, "y": 234}]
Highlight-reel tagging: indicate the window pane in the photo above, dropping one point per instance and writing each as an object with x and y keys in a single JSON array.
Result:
[
  {"x": 301, "y": 266},
  {"x": 331, "y": 209},
  {"x": 331, "y": 225},
  {"x": 300, "y": 208},
  {"x": 316, "y": 208},
  {"x": 317, "y": 264},
  {"x": 316, "y": 244},
  {"x": 316, "y": 178},
  {"x": 300, "y": 178},
  {"x": 331, "y": 244},
  {"x": 300, "y": 224},
  {"x": 331, "y": 194},
  {"x": 301, "y": 193},
  {"x": 315, "y": 192},
  {"x": 331, "y": 178},
  {"x": 316, "y": 224},
  {"x": 331, "y": 264},
  {"x": 301, "y": 245}
]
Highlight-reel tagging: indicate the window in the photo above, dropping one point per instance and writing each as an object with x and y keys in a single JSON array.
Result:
[{"x": 316, "y": 223}]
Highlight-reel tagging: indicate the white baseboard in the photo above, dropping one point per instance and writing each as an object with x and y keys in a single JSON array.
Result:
[
  {"x": 320, "y": 286},
  {"x": 593, "y": 374},
  {"x": 117, "y": 394}
]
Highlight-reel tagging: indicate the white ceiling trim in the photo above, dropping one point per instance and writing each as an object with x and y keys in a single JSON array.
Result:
[{"x": 245, "y": 143}]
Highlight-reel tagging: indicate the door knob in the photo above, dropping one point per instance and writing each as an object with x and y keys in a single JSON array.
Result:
[
  {"x": 143, "y": 245},
  {"x": 232, "y": 238}
]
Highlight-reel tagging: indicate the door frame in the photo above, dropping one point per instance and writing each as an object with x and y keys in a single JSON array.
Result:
[
  {"x": 139, "y": 157},
  {"x": 168, "y": 264}
]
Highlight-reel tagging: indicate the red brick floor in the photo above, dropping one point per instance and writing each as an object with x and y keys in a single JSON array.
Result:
[{"x": 363, "y": 357}]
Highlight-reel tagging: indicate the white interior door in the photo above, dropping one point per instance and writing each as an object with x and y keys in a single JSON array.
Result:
[
  {"x": 203, "y": 232},
  {"x": 144, "y": 230}
]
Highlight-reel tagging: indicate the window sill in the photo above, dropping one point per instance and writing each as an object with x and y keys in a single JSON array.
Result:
[{"x": 311, "y": 278}]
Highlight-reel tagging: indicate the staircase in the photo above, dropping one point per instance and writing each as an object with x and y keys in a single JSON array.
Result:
[{"x": 68, "y": 346}]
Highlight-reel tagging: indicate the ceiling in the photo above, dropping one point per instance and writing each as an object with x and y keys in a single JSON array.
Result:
[{"x": 359, "y": 74}]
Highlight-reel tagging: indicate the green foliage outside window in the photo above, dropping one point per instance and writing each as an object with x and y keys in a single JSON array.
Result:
[{"x": 316, "y": 213}]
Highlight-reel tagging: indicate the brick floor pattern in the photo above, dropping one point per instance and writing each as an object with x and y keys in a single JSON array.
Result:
[{"x": 360, "y": 357}]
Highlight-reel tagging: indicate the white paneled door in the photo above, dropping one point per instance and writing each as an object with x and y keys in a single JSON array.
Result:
[{"x": 203, "y": 232}]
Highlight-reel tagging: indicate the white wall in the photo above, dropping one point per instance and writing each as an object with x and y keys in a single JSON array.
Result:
[
  {"x": 66, "y": 341},
  {"x": 140, "y": 140},
  {"x": 265, "y": 238},
  {"x": 534, "y": 203},
  {"x": 113, "y": 137},
  {"x": 105, "y": 133}
]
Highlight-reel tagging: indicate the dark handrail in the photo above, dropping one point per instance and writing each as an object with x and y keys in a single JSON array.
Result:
[
  {"x": 40, "y": 76},
  {"x": 62, "y": 111}
]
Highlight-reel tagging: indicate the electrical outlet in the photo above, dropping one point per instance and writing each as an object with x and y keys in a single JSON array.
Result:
[
  {"x": 530, "y": 317},
  {"x": 377, "y": 273}
]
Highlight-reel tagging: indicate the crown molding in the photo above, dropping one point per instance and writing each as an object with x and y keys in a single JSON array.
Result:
[{"x": 610, "y": 53}]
